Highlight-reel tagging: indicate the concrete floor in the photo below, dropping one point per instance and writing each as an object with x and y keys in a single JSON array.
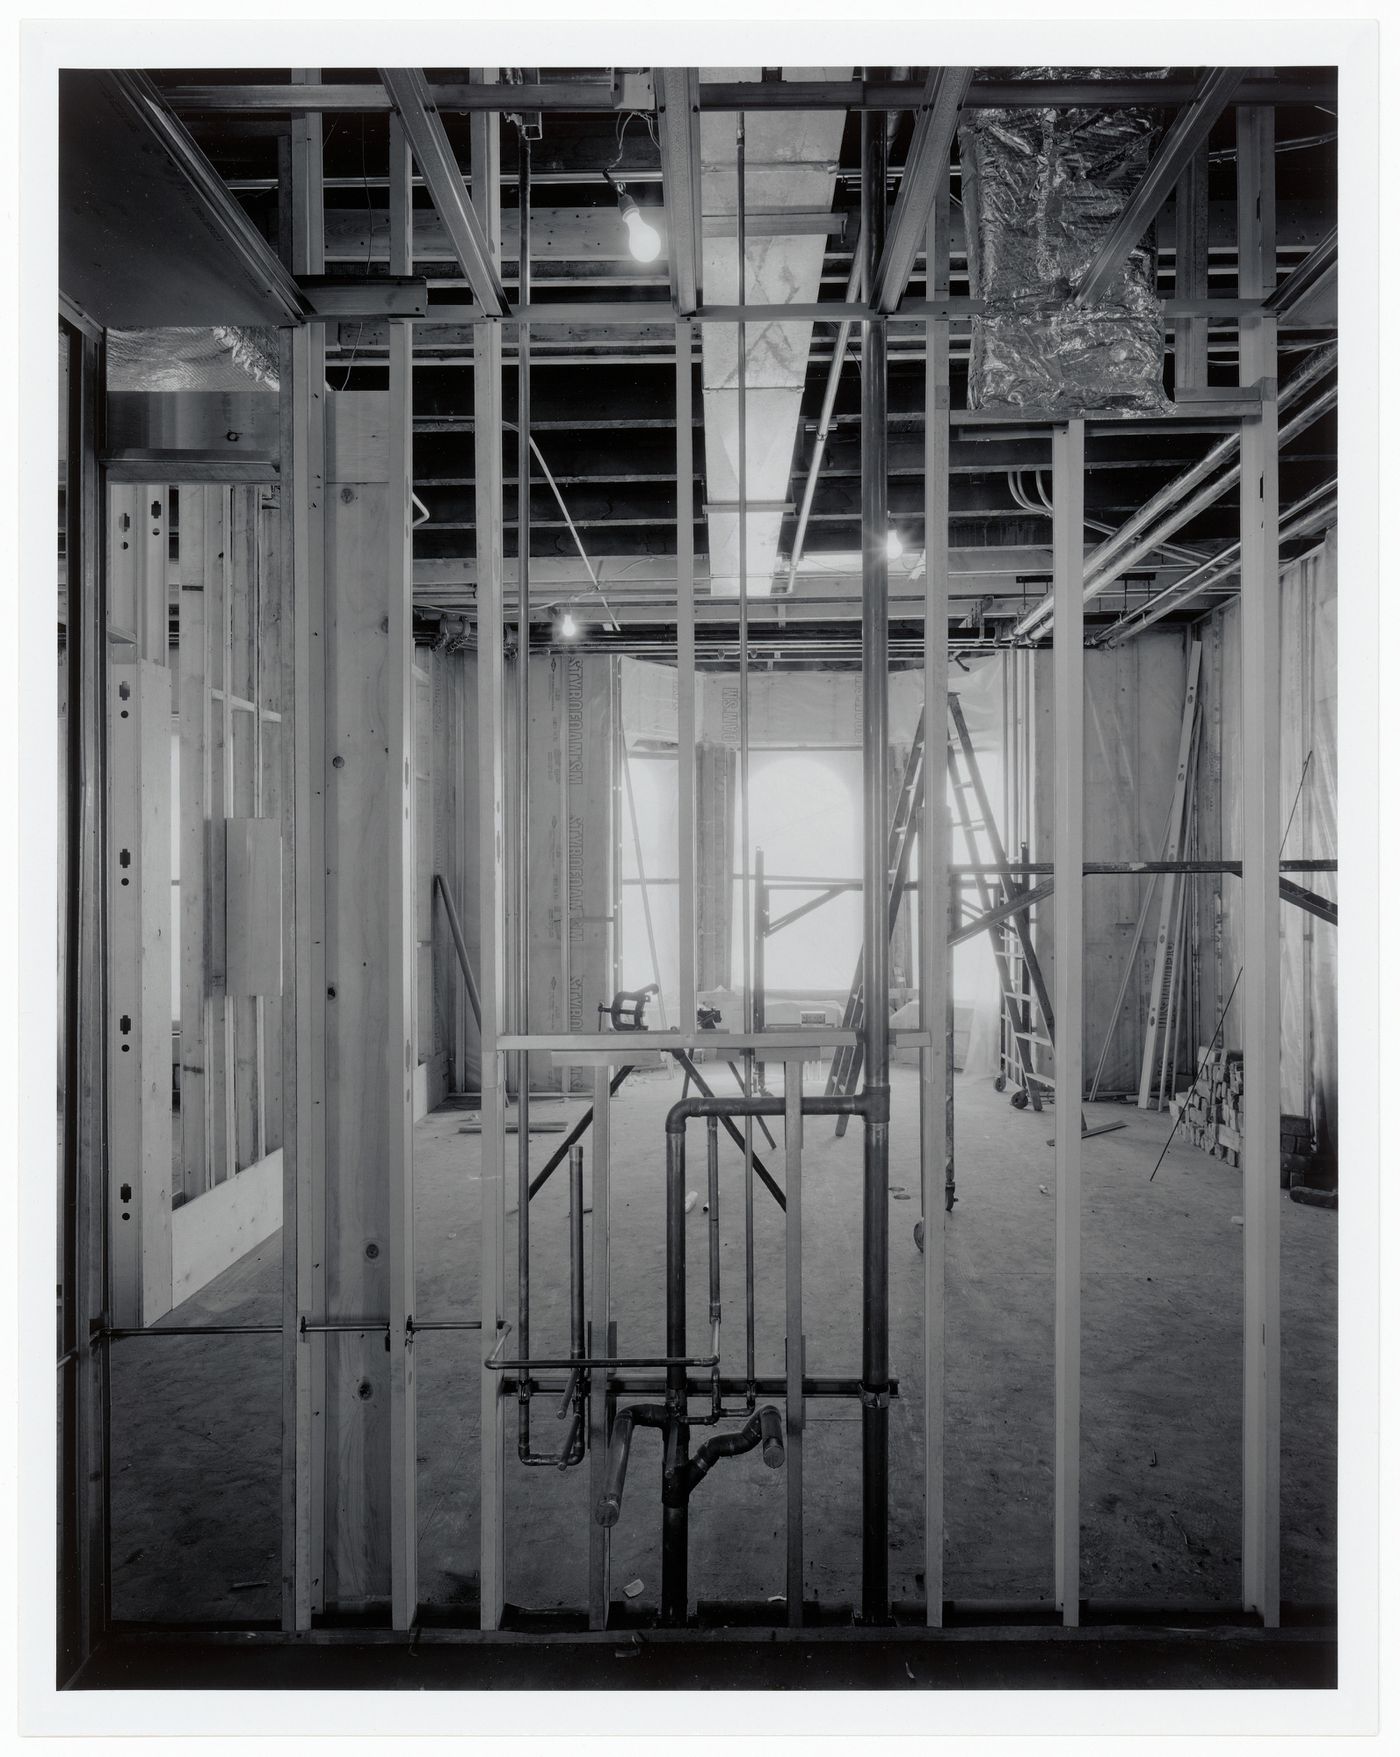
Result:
[{"x": 196, "y": 1423}]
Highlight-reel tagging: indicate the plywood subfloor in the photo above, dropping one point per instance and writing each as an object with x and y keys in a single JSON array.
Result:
[{"x": 196, "y": 1435}]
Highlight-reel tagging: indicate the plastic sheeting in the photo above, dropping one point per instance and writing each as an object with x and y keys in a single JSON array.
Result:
[
  {"x": 1041, "y": 189},
  {"x": 1307, "y": 793},
  {"x": 223, "y": 358}
]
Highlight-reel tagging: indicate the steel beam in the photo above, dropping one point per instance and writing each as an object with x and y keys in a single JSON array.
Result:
[
  {"x": 408, "y": 91},
  {"x": 925, "y": 172},
  {"x": 225, "y": 217},
  {"x": 678, "y": 118},
  {"x": 1188, "y": 132}
]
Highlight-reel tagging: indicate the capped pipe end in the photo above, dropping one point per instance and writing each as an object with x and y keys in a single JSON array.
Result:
[
  {"x": 608, "y": 1510},
  {"x": 771, "y": 1427}
]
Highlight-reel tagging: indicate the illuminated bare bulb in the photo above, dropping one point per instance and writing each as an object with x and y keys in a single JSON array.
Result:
[
  {"x": 567, "y": 626},
  {"x": 643, "y": 241},
  {"x": 893, "y": 547}
]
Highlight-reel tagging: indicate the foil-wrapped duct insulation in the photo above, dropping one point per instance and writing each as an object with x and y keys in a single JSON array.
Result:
[
  {"x": 1041, "y": 190},
  {"x": 223, "y": 358}
]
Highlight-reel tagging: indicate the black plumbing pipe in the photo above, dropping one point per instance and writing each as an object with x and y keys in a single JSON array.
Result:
[
  {"x": 874, "y": 667},
  {"x": 675, "y": 1522},
  {"x": 642, "y": 1415},
  {"x": 572, "y": 1451},
  {"x": 764, "y": 1426},
  {"x": 712, "y": 1185},
  {"x": 677, "y": 1478},
  {"x": 818, "y": 1104}
]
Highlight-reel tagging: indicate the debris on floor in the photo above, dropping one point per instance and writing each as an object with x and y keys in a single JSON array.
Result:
[
  {"x": 633, "y": 1588},
  {"x": 691, "y": 1198}
]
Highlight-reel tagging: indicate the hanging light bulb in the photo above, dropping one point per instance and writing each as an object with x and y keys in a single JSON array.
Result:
[
  {"x": 643, "y": 240},
  {"x": 568, "y": 628},
  {"x": 893, "y": 547}
]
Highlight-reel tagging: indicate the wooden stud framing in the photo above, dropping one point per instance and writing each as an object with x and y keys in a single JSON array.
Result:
[
  {"x": 1067, "y": 456},
  {"x": 600, "y": 1310},
  {"x": 403, "y": 1409},
  {"x": 304, "y": 905},
  {"x": 1190, "y": 334},
  {"x": 194, "y": 814},
  {"x": 140, "y": 1147},
  {"x": 1259, "y": 885},
  {"x": 88, "y": 1612},
  {"x": 796, "y": 1342},
  {"x": 491, "y": 707},
  {"x": 935, "y": 963},
  {"x": 685, "y": 678}
]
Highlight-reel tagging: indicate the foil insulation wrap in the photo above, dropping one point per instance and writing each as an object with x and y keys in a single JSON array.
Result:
[
  {"x": 1041, "y": 190},
  {"x": 223, "y": 358}
]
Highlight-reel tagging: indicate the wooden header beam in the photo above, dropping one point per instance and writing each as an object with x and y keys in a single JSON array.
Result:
[{"x": 580, "y": 98}]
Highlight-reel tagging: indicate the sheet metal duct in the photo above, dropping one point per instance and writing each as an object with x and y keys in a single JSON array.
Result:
[
  {"x": 790, "y": 164},
  {"x": 222, "y": 358},
  {"x": 1041, "y": 190}
]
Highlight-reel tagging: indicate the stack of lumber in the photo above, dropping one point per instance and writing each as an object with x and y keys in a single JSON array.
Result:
[
  {"x": 1212, "y": 1108},
  {"x": 1211, "y": 1113}
]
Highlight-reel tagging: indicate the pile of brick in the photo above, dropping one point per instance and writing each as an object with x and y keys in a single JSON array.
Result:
[{"x": 1211, "y": 1113}]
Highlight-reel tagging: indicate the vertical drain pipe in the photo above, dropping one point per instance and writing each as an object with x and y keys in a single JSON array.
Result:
[
  {"x": 875, "y": 1374},
  {"x": 675, "y": 1514}
]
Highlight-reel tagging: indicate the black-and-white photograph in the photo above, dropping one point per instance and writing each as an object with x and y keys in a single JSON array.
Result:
[{"x": 698, "y": 748}]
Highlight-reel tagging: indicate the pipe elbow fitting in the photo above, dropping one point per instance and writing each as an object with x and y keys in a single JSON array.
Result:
[{"x": 771, "y": 1428}]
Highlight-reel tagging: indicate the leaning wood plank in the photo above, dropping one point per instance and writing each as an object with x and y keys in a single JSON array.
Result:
[{"x": 214, "y": 1231}]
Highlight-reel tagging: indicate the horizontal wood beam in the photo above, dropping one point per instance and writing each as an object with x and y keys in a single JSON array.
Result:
[{"x": 583, "y": 97}]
